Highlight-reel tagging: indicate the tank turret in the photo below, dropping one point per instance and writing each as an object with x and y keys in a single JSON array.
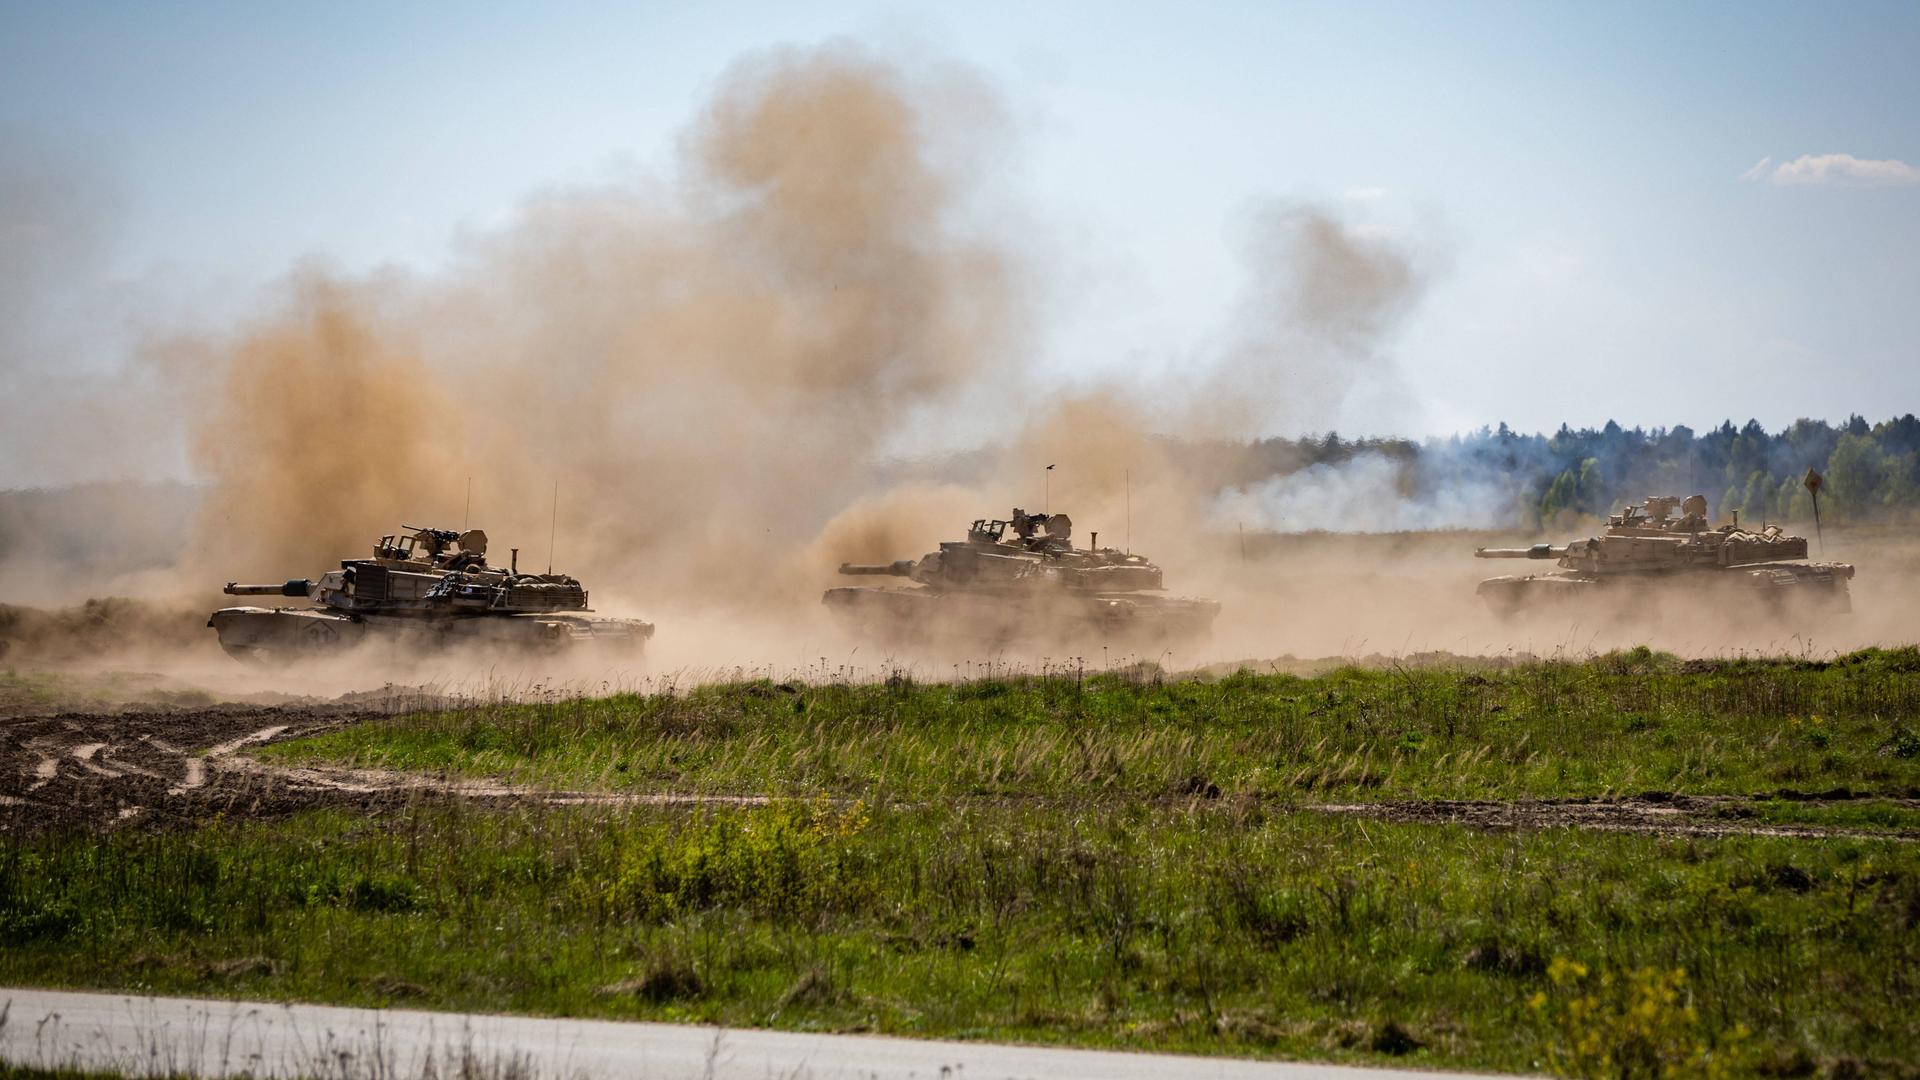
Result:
[
  {"x": 424, "y": 586},
  {"x": 1669, "y": 540},
  {"x": 1020, "y": 577}
]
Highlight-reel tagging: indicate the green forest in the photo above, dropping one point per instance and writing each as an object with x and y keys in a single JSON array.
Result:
[{"x": 1871, "y": 471}]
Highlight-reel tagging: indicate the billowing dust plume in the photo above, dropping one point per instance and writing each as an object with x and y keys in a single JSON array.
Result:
[
  {"x": 700, "y": 376},
  {"x": 1145, "y": 464},
  {"x": 703, "y": 369}
]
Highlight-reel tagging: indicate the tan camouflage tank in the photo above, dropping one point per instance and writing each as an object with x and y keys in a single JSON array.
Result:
[
  {"x": 1022, "y": 580},
  {"x": 1667, "y": 541},
  {"x": 422, "y": 589}
]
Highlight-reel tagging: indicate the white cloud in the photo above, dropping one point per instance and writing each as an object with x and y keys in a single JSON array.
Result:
[
  {"x": 1833, "y": 170},
  {"x": 1364, "y": 194}
]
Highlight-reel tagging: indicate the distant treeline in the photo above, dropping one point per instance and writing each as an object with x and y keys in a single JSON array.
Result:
[
  {"x": 1497, "y": 476},
  {"x": 1493, "y": 478}
]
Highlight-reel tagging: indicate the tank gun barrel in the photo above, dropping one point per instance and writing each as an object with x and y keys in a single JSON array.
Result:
[
  {"x": 1537, "y": 551},
  {"x": 296, "y": 587},
  {"x": 901, "y": 568}
]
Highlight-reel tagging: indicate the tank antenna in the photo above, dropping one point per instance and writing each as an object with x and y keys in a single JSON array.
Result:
[
  {"x": 1046, "y": 491},
  {"x": 1129, "y": 475},
  {"x": 553, "y": 526},
  {"x": 1813, "y": 483},
  {"x": 466, "y": 518}
]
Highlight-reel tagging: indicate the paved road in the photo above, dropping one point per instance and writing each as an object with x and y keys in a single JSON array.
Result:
[{"x": 224, "y": 1038}]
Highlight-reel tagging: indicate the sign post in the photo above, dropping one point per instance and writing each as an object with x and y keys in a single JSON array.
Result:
[{"x": 1813, "y": 482}]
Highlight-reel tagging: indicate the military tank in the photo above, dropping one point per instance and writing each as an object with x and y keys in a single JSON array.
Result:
[
  {"x": 1667, "y": 541},
  {"x": 1021, "y": 579},
  {"x": 423, "y": 588}
]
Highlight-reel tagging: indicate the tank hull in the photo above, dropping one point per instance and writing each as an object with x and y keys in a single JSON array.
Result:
[
  {"x": 287, "y": 635},
  {"x": 1004, "y": 618},
  {"x": 1769, "y": 587}
]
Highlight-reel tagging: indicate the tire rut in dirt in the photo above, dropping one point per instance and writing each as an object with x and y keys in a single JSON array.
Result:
[
  {"x": 85, "y": 771},
  {"x": 1659, "y": 813},
  {"x": 181, "y": 768}
]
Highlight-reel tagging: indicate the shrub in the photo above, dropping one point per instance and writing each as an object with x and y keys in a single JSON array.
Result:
[
  {"x": 1641, "y": 1024},
  {"x": 781, "y": 860}
]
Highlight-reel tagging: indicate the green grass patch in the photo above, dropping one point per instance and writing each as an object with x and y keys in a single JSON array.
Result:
[
  {"x": 1213, "y": 928},
  {"x": 1618, "y": 724},
  {"x": 1859, "y": 814}
]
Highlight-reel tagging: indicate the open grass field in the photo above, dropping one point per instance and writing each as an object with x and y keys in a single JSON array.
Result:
[
  {"x": 1511, "y": 866},
  {"x": 1622, "y": 724}
]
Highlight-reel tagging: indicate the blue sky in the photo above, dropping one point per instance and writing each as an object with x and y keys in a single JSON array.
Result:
[{"x": 1575, "y": 180}]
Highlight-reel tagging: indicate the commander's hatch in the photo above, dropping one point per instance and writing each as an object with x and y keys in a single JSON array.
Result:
[{"x": 398, "y": 548}]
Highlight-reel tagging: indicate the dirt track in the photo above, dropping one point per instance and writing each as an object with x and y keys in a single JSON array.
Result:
[
  {"x": 80, "y": 769},
  {"x": 178, "y": 767},
  {"x": 92, "y": 770},
  {"x": 1676, "y": 815}
]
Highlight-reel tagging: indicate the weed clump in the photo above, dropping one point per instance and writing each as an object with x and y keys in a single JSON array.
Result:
[
  {"x": 670, "y": 975},
  {"x": 1392, "y": 1038},
  {"x": 1639, "y": 1024},
  {"x": 777, "y": 860}
]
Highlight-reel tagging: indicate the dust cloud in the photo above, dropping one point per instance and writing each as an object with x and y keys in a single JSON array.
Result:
[
  {"x": 78, "y": 403},
  {"x": 703, "y": 368},
  {"x": 1325, "y": 298},
  {"x": 693, "y": 380}
]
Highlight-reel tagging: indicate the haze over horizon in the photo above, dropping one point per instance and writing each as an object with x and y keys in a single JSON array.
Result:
[{"x": 1648, "y": 215}]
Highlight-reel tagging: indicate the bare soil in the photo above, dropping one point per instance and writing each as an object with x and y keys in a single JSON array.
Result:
[
  {"x": 89, "y": 770},
  {"x": 1650, "y": 812},
  {"x": 181, "y": 767}
]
